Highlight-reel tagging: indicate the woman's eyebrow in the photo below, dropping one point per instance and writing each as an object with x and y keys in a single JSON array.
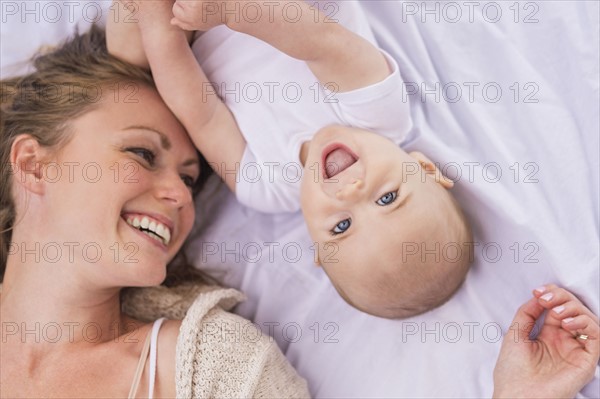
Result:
[
  {"x": 164, "y": 140},
  {"x": 191, "y": 162}
]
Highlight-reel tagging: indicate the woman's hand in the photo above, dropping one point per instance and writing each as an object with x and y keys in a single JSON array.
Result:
[{"x": 560, "y": 360}]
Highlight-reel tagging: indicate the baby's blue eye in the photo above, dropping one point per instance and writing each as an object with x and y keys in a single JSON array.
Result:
[
  {"x": 341, "y": 227},
  {"x": 387, "y": 199}
]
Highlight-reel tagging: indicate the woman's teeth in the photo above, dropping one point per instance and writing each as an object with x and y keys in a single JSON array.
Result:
[{"x": 154, "y": 229}]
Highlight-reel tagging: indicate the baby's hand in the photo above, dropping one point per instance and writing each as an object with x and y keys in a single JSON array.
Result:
[
  {"x": 145, "y": 11},
  {"x": 560, "y": 360},
  {"x": 152, "y": 14},
  {"x": 202, "y": 15}
]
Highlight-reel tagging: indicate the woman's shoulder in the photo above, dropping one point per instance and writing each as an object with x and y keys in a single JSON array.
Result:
[
  {"x": 212, "y": 336},
  {"x": 166, "y": 352},
  {"x": 224, "y": 355},
  {"x": 176, "y": 303},
  {"x": 188, "y": 302},
  {"x": 218, "y": 354}
]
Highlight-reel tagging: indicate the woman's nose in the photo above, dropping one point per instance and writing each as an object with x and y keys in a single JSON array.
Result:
[
  {"x": 350, "y": 191},
  {"x": 172, "y": 189}
]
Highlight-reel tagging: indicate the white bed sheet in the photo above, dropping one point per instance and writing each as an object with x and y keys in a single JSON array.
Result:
[{"x": 550, "y": 212}]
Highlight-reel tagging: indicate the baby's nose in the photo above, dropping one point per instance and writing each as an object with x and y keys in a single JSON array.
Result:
[{"x": 350, "y": 191}]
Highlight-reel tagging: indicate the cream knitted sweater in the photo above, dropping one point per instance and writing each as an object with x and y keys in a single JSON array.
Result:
[{"x": 219, "y": 354}]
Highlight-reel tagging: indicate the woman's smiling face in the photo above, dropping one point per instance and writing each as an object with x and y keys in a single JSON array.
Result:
[{"x": 124, "y": 196}]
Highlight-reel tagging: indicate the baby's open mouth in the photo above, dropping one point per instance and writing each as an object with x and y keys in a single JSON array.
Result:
[{"x": 337, "y": 159}]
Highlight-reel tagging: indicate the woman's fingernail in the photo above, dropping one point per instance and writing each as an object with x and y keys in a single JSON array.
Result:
[
  {"x": 547, "y": 297},
  {"x": 541, "y": 289},
  {"x": 559, "y": 309},
  {"x": 567, "y": 320}
]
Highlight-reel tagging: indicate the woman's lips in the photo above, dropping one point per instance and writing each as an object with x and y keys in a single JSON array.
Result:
[{"x": 336, "y": 158}]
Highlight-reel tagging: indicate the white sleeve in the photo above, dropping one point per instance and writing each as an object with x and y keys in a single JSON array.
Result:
[
  {"x": 268, "y": 187},
  {"x": 382, "y": 107}
]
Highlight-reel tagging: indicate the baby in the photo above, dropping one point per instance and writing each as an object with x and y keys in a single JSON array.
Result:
[{"x": 390, "y": 236}]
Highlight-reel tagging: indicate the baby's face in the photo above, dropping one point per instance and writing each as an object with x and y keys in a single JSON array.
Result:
[{"x": 363, "y": 198}]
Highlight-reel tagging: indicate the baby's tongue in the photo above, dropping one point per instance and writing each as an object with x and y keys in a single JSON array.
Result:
[{"x": 337, "y": 161}]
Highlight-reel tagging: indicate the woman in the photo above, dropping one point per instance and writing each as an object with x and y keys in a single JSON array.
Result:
[
  {"x": 98, "y": 197},
  {"x": 114, "y": 220}
]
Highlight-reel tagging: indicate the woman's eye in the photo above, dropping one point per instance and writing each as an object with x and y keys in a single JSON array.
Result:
[
  {"x": 341, "y": 227},
  {"x": 387, "y": 199},
  {"x": 188, "y": 180},
  {"x": 144, "y": 153}
]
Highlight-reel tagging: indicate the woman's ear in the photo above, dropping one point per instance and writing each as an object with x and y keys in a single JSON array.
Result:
[
  {"x": 26, "y": 157},
  {"x": 432, "y": 170}
]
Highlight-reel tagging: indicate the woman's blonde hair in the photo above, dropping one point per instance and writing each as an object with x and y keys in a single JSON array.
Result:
[{"x": 62, "y": 87}]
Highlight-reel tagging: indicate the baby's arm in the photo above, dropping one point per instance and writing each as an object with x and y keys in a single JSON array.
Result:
[
  {"x": 560, "y": 360},
  {"x": 182, "y": 84},
  {"x": 368, "y": 86},
  {"x": 333, "y": 53},
  {"x": 123, "y": 38}
]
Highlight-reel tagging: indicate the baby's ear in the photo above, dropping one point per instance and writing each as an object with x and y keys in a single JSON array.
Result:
[
  {"x": 431, "y": 169},
  {"x": 26, "y": 161}
]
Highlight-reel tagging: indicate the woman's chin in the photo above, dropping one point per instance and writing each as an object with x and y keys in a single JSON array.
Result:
[
  {"x": 155, "y": 280},
  {"x": 146, "y": 277}
]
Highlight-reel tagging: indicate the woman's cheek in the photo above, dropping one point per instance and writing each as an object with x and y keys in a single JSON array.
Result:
[
  {"x": 187, "y": 222},
  {"x": 191, "y": 217}
]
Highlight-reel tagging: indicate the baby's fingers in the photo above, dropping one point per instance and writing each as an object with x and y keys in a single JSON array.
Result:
[
  {"x": 181, "y": 24},
  {"x": 179, "y": 10}
]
